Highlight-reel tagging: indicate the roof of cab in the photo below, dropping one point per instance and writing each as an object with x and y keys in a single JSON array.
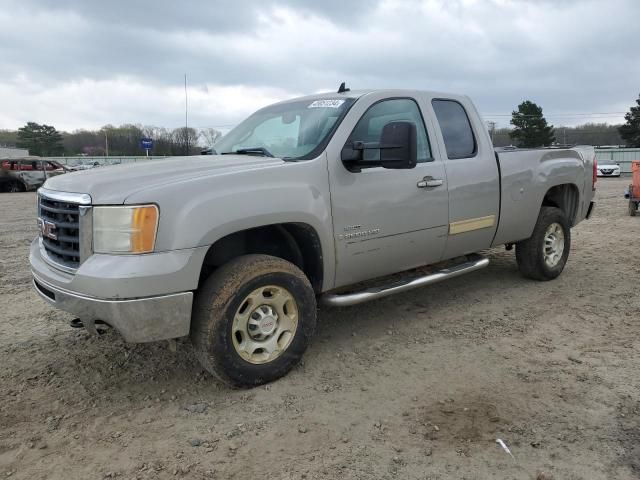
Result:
[{"x": 360, "y": 93}]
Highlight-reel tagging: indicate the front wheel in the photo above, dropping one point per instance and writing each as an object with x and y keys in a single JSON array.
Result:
[
  {"x": 253, "y": 319},
  {"x": 15, "y": 187},
  {"x": 633, "y": 208},
  {"x": 544, "y": 255}
]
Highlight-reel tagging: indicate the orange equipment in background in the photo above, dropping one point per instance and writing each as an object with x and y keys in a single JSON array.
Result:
[{"x": 634, "y": 188}]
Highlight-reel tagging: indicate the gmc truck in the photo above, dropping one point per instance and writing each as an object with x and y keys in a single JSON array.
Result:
[{"x": 334, "y": 198}]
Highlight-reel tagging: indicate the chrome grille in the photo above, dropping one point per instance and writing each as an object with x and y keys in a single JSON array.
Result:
[{"x": 60, "y": 230}]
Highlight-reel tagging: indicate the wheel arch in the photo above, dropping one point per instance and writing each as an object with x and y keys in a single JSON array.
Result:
[
  {"x": 11, "y": 180},
  {"x": 566, "y": 197},
  {"x": 296, "y": 242}
]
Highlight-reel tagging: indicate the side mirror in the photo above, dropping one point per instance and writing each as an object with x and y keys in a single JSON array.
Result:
[
  {"x": 398, "y": 148},
  {"x": 399, "y": 145}
]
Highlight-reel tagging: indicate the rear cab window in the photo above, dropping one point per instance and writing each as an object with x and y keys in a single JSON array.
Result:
[{"x": 455, "y": 126}]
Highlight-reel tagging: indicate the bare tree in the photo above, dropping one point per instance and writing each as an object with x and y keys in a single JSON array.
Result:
[
  {"x": 210, "y": 136},
  {"x": 185, "y": 141}
]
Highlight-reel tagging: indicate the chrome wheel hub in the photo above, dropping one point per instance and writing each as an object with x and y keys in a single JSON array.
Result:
[
  {"x": 262, "y": 322},
  {"x": 265, "y": 324},
  {"x": 553, "y": 245}
]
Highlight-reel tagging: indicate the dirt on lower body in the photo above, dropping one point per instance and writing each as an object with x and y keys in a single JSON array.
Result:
[{"x": 414, "y": 386}]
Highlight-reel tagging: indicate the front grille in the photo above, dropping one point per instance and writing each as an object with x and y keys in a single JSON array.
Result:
[{"x": 60, "y": 230}]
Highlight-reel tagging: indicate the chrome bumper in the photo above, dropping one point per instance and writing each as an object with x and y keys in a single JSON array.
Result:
[{"x": 137, "y": 320}]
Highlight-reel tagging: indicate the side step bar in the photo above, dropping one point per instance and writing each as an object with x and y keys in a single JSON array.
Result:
[{"x": 473, "y": 263}]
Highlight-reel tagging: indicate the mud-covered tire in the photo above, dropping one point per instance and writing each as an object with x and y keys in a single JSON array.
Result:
[
  {"x": 217, "y": 307},
  {"x": 633, "y": 208},
  {"x": 530, "y": 253}
]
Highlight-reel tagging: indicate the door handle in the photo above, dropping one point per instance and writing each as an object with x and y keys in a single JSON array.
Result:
[{"x": 430, "y": 182}]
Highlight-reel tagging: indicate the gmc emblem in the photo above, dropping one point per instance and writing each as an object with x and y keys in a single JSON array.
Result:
[{"x": 48, "y": 229}]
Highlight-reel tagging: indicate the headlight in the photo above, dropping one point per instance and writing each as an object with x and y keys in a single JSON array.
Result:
[{"x": 126, "y": 229}]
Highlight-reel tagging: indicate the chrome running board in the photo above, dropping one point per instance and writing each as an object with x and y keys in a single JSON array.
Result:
[{"x": 473, "y": 263}]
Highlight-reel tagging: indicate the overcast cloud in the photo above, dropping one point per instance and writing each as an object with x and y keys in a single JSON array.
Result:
[{"x": 83, "y": 64}]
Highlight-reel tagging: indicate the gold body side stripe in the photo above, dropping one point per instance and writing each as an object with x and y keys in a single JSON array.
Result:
[{"x": 471, "y": 224}]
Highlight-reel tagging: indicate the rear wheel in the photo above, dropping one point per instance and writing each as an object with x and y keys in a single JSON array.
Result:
[
  {"x": 544, "y": 255},
  {"x": 633, "y": 208},
  {"x": 253, "y": 319}
]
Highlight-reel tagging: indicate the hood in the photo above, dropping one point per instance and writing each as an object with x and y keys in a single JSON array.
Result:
[
  {"x": 606, "y": 166},
  {"x": 113, "y": 184}
]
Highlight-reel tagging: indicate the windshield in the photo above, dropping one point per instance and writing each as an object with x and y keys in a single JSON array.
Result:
[{"x": 293, "y": 131}]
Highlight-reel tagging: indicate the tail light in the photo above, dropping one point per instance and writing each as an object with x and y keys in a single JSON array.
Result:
[{"x": 595, "y": 173}]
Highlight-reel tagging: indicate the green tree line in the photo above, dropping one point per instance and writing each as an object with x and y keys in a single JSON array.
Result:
[
  {"x": 596, "y": 134},
  {"x": 124, "y": 140},
  {"x": 530, "y": 129}
]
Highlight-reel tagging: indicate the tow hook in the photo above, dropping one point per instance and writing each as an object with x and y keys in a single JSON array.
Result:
[
  {"x": 97, "y": 327},
  {"x": 76, "y": 323}
]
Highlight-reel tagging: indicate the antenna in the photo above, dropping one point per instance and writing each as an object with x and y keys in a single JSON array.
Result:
[{"x": 343, "y": 88}]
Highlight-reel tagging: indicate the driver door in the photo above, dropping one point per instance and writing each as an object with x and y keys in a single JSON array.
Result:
[{"x": 386, "y": 220}]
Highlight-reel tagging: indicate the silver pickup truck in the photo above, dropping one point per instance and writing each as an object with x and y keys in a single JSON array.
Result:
[{"x": 338, "y": 198}]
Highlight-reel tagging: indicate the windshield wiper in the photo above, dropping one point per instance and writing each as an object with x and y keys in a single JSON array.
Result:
[{"x": 250, "y": 151}]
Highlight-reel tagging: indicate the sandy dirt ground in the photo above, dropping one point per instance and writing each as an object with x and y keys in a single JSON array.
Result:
[{"x": 416, "y": 386}]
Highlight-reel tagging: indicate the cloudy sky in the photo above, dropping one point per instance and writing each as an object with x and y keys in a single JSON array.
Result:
[{"x": 83, "y": 64}]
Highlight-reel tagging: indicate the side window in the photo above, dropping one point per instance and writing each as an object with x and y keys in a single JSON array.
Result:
[
  {"x": 456, "y": 128},
  {"x": 370, "y": 125}
]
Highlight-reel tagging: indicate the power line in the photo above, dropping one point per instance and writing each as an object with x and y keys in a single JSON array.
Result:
[
  {"x": 505, "y": 131},
  {"x": 485, "y": 115},
  {"x": 217, "y": 126},
  {"x": 601, "y": 114}
]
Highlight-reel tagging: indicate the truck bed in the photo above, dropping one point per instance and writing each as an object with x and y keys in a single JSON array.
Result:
[{"x": 526, "y": 175}]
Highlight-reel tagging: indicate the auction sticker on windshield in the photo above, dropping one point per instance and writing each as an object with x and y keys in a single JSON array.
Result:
[{"x": 326, "y": 104}]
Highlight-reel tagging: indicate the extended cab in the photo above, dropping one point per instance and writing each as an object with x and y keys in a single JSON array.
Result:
[{"x": 333, "y": 197}]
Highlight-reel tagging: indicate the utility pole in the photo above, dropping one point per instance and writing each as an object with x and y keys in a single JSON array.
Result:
[
  {"x": 492, "y": 129},
  {"x": 186, "y": 115}
]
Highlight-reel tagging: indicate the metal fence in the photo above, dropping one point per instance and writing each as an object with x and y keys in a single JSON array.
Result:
[
  {"x": 90, "y": 161},
  {"x": 621, "y": 156}
]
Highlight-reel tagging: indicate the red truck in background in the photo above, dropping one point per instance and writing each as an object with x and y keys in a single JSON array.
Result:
[{"x": 25, "y": 174}]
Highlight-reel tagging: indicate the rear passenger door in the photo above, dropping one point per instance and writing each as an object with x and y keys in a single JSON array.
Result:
[{"x": 472, "y": 174}]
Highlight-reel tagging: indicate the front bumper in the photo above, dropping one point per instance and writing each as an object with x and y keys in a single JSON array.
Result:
[
  {"x": 609, "y": 173},
  {"x": 144, "y": 297},
  {"x": 137, "y": 320}
]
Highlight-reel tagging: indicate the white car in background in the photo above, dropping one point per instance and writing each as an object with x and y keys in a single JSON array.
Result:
[{"x": 609, "y": 170}]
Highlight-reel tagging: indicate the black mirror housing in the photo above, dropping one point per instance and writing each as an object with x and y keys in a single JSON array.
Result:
[{"x": 399, "y": 145}]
